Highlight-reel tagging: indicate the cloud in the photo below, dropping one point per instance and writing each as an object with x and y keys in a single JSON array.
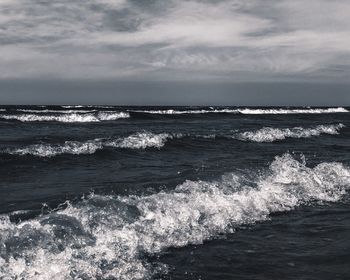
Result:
[{"x": 129, "y": 39}]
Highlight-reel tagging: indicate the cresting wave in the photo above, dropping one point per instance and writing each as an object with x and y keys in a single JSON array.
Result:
[
  {"x": 68, "y": 117},
  {"x": 140, "y": 140},
  {"x": 247, "y": 111},
  {"x": 54, "y": 111},
  {"x": 145, "y": 139},
  {"x": 110, "y": 237},
  {"x": 294, "y": 111},
  {"x": 269, "y": 134}
]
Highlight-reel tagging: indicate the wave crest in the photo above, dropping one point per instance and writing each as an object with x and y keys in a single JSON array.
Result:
[
  {"x": 140, "y": 140},
  {"x": 269, "y": 134},
  {"x": 247, "y": 111},
  {"x": 293, "y": 111},
  {"x": 68, "y": 117},
  {"x": 105, "y": 237}
]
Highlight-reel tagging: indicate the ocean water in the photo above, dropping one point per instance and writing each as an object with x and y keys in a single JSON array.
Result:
[{"x": 104, "y": 192}]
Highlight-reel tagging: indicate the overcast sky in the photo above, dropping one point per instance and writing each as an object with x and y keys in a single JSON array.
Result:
[{"x": 186, "y": 42}]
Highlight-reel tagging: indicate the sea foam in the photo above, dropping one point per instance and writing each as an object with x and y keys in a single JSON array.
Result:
[
  {"x": 107, "y": 237},
  {"x": 293, "y": 111},
  {"x": 270, "y": 134},
  {"x": 139, "y": 140},
  {"x": 68, "y": 117},
  {"x": 146, "y": 139},
  {"x": 247, "y": 111}
]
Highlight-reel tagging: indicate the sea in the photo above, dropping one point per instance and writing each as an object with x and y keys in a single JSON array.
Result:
[{"x": 108, "y": 192}]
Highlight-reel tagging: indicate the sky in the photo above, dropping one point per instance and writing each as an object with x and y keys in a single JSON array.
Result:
[{"x": 140, "y": 51}]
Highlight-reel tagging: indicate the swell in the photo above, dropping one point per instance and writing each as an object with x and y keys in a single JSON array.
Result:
[
  {"x": 145, "y": 139},
  {"x": 67, "y": 117},
  {"x": 107, "y": 237}
]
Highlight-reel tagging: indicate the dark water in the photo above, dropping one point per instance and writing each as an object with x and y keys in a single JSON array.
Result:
[{"x": 174, "y": 193}]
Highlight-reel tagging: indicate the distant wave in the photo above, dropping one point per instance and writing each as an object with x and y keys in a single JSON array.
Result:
[
  {"x": 68, "y": 117},
  {"x": 269, "y": 134},
  {"x": 247, "y": 111},
  {"x": 88, "y": 106},
  {"x": 72, "y": 106},
  {"x": 293, "y": 111},
  {"x": 55, "y": 111},
  {"x": 105, "y": 237},
  {"x": 181, "y": 112},
  {"x": 141, "y": 140}
]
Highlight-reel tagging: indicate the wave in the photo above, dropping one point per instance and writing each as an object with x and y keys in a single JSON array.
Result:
[
  {"x": 246, "y": 111},
  {"x": 181, "y": 112},
  {"x": 68, "y": 118},
  {"x": 145, "y": 139},
  {"x": 54, "y": 111},
  {"x": 269, "y": 134},
  {"x": 107, "y": 237},
  {"x": 87, "y": 106},
  {"x": 293, "y": 111},
  {"x": 72, "y": 106},
  {"x": 50, "y": 150},
  {"x": 140, "y": 140}
]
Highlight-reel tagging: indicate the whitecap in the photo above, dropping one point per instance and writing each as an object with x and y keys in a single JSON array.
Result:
[
  {"x": 105, "y": 237},
  {"x": 54, "y": 111},
  {"x": 68, "y": 118},
  {"x": 50, "y": 150},
  {"x": 293, "y": 111},
  {"x": 139, "y": 140},
  {"x": 246, "y": 111},
  {"x": 181, "y": 112},
  {"x": 270, "y": 134}
]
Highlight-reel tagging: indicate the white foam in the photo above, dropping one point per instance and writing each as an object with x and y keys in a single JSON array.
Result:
[
  {"x": 293, "y": 111},
  {"x": 111, "y": 115},
  {"x": 50, "y": 150},
  {"x": 55, "y": 111},
  {"x": 269, "y": 134},
  {"x": 181, "y": 112},
  {"x": 247, "y": 111},
  {"x": 105, "y": 237},
  {"x": 68, "y": 118},
  {"x": 72, "y": 106},
  {"x": 140, "y": 140}
]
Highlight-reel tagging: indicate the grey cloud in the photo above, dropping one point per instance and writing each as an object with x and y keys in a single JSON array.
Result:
[{"x": 226, "y": 39}]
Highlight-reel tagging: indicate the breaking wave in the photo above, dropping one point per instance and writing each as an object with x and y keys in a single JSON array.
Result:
[
  {"x": 55, "y": 111},
  {"x": 110, "y": 237},
  {"x": 181, "y": 112},
  {"x": 72, "y": 106},
  {"x": 247, "y": 111},
  {"x": 269, "y": 134},
  {"x": 294, "y": 111},
  {"x": 145, "y": 139},
  {"x": 68, "y": 117},
  {"x": 140, "y": 140}
]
